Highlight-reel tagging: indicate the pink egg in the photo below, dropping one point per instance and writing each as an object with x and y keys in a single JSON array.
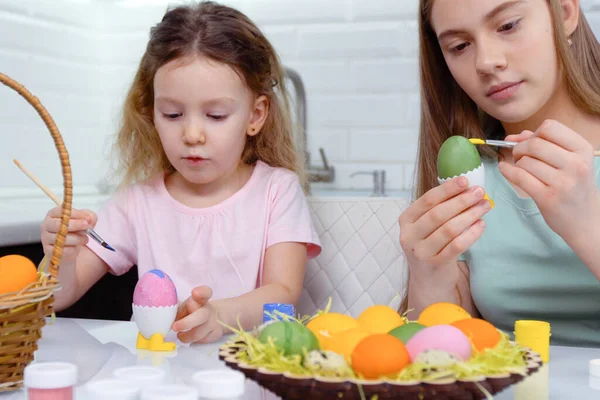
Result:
[
  {"x": 155, "y": 289},
  {"x": 440, "y": 337}
]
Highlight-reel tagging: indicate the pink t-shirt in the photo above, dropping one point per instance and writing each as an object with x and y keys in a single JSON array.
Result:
[{"x": 222, "y": 246}]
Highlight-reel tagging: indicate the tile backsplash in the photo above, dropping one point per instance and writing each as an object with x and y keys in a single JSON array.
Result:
[{"x": 357, "y": 58}]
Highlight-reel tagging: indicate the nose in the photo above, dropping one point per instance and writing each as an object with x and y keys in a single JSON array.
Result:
[
  {"x": 490, "y": 58},
  {"x": 193, "y": 133}
]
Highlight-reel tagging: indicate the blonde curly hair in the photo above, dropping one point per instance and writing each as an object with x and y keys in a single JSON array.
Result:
[{"x": 222, "y": 34}]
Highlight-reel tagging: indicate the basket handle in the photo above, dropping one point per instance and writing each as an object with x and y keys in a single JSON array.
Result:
[{"x": 66, "y": 169}]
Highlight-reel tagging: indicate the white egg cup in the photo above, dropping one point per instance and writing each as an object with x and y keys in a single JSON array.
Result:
[
  {"x": 154, "y": 323},
  {"x": 476, "y": 177}
]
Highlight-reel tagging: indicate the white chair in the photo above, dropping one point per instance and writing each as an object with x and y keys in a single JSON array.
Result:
[{"x": 362, "y": 263}]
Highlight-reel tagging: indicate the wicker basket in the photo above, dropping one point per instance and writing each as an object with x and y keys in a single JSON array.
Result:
[
  {"x": 23, "y": 313},
  {"x": 289, "y": 386}
]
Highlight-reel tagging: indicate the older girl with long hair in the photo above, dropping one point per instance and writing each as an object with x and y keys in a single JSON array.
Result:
[{"x": 524, "y": 71}]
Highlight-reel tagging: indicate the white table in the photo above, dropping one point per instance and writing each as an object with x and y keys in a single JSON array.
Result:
[{"x": 99, "y": 347}]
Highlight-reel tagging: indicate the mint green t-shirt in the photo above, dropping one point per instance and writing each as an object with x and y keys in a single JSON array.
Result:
[{"x": 521, "y": 269}]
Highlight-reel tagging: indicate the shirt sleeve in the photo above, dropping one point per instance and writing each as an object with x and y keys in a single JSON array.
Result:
[
  {"x": 290, "y": 219},
  {"x": 115, "y": 227}
]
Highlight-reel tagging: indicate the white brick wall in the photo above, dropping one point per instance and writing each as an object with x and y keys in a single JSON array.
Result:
[{"x": 357, "y": 59}]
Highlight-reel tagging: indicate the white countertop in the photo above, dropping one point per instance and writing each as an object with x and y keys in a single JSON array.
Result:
[{"x": 100, "y": 347}]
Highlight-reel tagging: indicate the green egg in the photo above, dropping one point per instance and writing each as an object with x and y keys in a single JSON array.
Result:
[
  {"x": 457, "y": 156},
  {"x": 292, "y": 337},
  {"x": 406, "y": 331}
]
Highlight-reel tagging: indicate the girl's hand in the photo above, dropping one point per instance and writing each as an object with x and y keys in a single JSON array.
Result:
[
  {"x": 555, "y": 167},
  {"x": 196, "y": 320},
  {"x": 76, "y": 237},
  {"x": 442, "y": 224}
]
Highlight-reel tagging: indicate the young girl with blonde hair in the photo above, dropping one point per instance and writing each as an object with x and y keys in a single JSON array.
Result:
[
  {"x": 524, "y": 71},
  {"x": 212, "y": 185}
]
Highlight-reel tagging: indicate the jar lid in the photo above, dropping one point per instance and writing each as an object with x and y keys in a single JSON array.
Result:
[
  {"x": 219, "y": 383},
  {"x": 111, "y": 389},
  {"x": 50, "y": 375},
  {"x": 595, "y": 367},
  {"x": 171, "y": 392},
  {"x": 141, "y": 375}
]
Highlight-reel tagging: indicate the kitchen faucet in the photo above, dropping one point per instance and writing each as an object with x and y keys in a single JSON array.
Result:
[{"x": 325, "y": 173}]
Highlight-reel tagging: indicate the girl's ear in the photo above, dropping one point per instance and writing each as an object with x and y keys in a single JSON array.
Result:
[
  {"x": 259, "y": 115},
  {"x": 570, "y": 9}
]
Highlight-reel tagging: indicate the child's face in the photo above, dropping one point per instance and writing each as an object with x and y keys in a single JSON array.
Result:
[
  {"x": 494, "y": 44},
  {"x": 203, "y": 112}
]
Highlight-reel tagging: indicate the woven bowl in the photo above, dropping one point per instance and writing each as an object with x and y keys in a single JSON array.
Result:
[
  {"x": 23, "y": 314},
  {"x": 288, "y": 386}
]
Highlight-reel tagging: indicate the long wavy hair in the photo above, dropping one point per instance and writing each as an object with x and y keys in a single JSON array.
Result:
[
  {"x": 222, "y": 34},
  {"x": 446, "y": 110}
]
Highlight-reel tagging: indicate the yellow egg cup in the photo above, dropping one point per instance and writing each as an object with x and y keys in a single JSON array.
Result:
[
  {"x": 155, "y": 343},
  {"x": 486, "y": 197}
]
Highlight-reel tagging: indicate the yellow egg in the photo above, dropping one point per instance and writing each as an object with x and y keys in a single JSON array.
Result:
[
  {"x": 442, "y": 314},
  {"x": 379, "y": 319},
  {"x": 16, "y": 272},
  {"x": 326, "y": 325},
  {"x": 344, "y": 342}
]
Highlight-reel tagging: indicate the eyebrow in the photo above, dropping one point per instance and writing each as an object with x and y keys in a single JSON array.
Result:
[
  {"x": 490, "y": 15},
  {"x": 218, "y": 100}
]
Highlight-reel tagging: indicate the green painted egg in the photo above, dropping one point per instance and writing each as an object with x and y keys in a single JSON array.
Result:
[
  {"x": 406, "y": 331},
  {"x": 457, "y": 156},
  {"x": 290, "y": 336}
]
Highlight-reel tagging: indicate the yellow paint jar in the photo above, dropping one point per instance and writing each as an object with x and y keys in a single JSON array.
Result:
[{"x": 534, "y": 335}]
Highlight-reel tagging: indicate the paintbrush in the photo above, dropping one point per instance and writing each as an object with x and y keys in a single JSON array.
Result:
[
  {"x": 56, "y": 200},
  {"x": 504, "y": 143}
]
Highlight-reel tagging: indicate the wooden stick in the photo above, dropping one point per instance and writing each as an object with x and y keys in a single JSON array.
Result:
[{"x": 38, "y": 183}]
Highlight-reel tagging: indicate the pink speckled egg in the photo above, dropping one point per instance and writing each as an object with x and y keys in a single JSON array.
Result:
[
  {"x": 155, "y": 289},
  {"x": 440, "y": 337}
]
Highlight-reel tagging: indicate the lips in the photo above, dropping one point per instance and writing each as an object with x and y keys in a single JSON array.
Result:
[{"x": 503, "y": 86}]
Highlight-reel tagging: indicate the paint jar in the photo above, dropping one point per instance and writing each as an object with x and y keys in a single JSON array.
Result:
[
  {"x": 170, "y": 391},
  {"x": 219, "y": 384},
  {"x": 534, "y": 335},
  {"x": 142, "y": 376},
  {"x": 50, "y": 380},
  {"x": 111, "y": 389}
]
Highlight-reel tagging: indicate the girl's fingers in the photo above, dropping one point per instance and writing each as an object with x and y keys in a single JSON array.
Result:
[
  {"x": 70, "y": 240},
  {"x": 432, "y": 198},
  {"x": 464, "y": 241},
  {"x": 196, "y": 334},
  {"x": 446, "y": 233},
  {"x": 75, "y": 225},
  {"x": 192, "y": 320},
  {"x": 444, "y": 212}
]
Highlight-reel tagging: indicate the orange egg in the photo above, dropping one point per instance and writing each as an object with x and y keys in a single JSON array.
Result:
[
  {"x": 344, "y": 342},
  {"x": 482, "y": 334},
  {"x": 326, "y": 325},
  {"x": 16, "y": 272},
  {"x": 379, "y": 355},
  {"x": 379, "y": 319},
  {"x": 442, "y": 314}
]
